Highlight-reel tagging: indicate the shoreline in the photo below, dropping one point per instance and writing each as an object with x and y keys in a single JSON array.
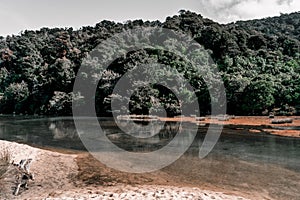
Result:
[
  {"x": 255, "y": 124},
  {"x": 68, "y": 174},
  {"x": 77, "y": 175},
  {"x": 58, "y": 176}
]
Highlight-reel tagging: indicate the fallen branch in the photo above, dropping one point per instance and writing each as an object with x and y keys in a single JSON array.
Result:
[
  {"x": 24, "y": 174},
  {"x": 282, "y": 121}
]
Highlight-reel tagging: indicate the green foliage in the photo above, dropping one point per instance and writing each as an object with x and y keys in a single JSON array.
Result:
[
  {"x": 258, "y": 96},
  {"x": 259, "y": 61},
  {"x": 61, "y": 102},
  {"x": 14, "y": 97}
]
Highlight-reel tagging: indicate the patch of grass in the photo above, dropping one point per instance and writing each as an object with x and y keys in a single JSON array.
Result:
[{"x": 5, "y": 157}]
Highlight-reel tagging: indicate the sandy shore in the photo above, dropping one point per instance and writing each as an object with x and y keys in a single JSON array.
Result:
[
  {"x": 255, "y": 124},
  {"x": 58, "y": 176},
  {"x": 145, "y": 192}
]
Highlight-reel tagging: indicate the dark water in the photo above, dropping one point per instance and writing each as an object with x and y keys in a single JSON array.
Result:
[{"x": 61, "y": 133}]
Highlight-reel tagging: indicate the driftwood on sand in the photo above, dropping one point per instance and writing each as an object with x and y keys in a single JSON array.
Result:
[
  {"x": 24, "y": 175},
  {"x": 282, "y": 121}
]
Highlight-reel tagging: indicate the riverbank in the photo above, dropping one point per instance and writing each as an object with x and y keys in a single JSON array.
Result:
[
  {"x": 242, "y": 164},
  {"x": 255, "y": 124},
  {"x": 79, "y": 176}
]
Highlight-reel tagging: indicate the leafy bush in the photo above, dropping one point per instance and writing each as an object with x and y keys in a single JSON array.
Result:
[{"x": 14, "y": 97}]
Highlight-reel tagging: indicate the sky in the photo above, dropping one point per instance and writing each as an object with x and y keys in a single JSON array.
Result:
[{"x": 18, "y": 15}]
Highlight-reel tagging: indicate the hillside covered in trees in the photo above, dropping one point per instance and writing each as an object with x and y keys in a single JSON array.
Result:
[{"x": 259, "y": 61}]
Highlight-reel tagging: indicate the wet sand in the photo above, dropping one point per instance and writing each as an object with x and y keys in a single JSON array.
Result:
[{"x": 80, "y": 176}]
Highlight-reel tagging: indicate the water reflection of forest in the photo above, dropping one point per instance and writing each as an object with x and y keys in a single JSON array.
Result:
[
  {"x": 148, "y": 137},
  {"x": 132, "y": 137}
]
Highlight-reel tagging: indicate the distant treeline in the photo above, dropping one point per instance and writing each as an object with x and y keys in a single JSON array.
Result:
[{"x": 259, "y": 61}]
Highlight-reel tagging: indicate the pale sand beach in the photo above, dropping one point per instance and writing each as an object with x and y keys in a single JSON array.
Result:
[{"x": 58, "y": 176}]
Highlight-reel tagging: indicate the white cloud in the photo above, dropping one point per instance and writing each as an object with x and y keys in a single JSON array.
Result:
[
  {"x": 32, "y": 14},
  {"x": 231, "y": 10}
]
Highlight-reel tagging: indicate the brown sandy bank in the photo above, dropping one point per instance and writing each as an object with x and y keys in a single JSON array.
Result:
[
  {"x": 258, "y": 123},
  {"x": 80, "y": 176}
]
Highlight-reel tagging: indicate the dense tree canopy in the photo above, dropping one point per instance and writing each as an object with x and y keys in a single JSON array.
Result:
[{"x": 259, "y": 61}]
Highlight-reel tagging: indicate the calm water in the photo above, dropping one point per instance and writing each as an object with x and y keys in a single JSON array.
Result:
[
  {"x": 240, "y": 161},
  {"x": 61, "y": 133}
]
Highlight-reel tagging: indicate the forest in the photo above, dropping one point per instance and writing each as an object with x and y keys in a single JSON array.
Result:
[{"x": 258, "y": 60}]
